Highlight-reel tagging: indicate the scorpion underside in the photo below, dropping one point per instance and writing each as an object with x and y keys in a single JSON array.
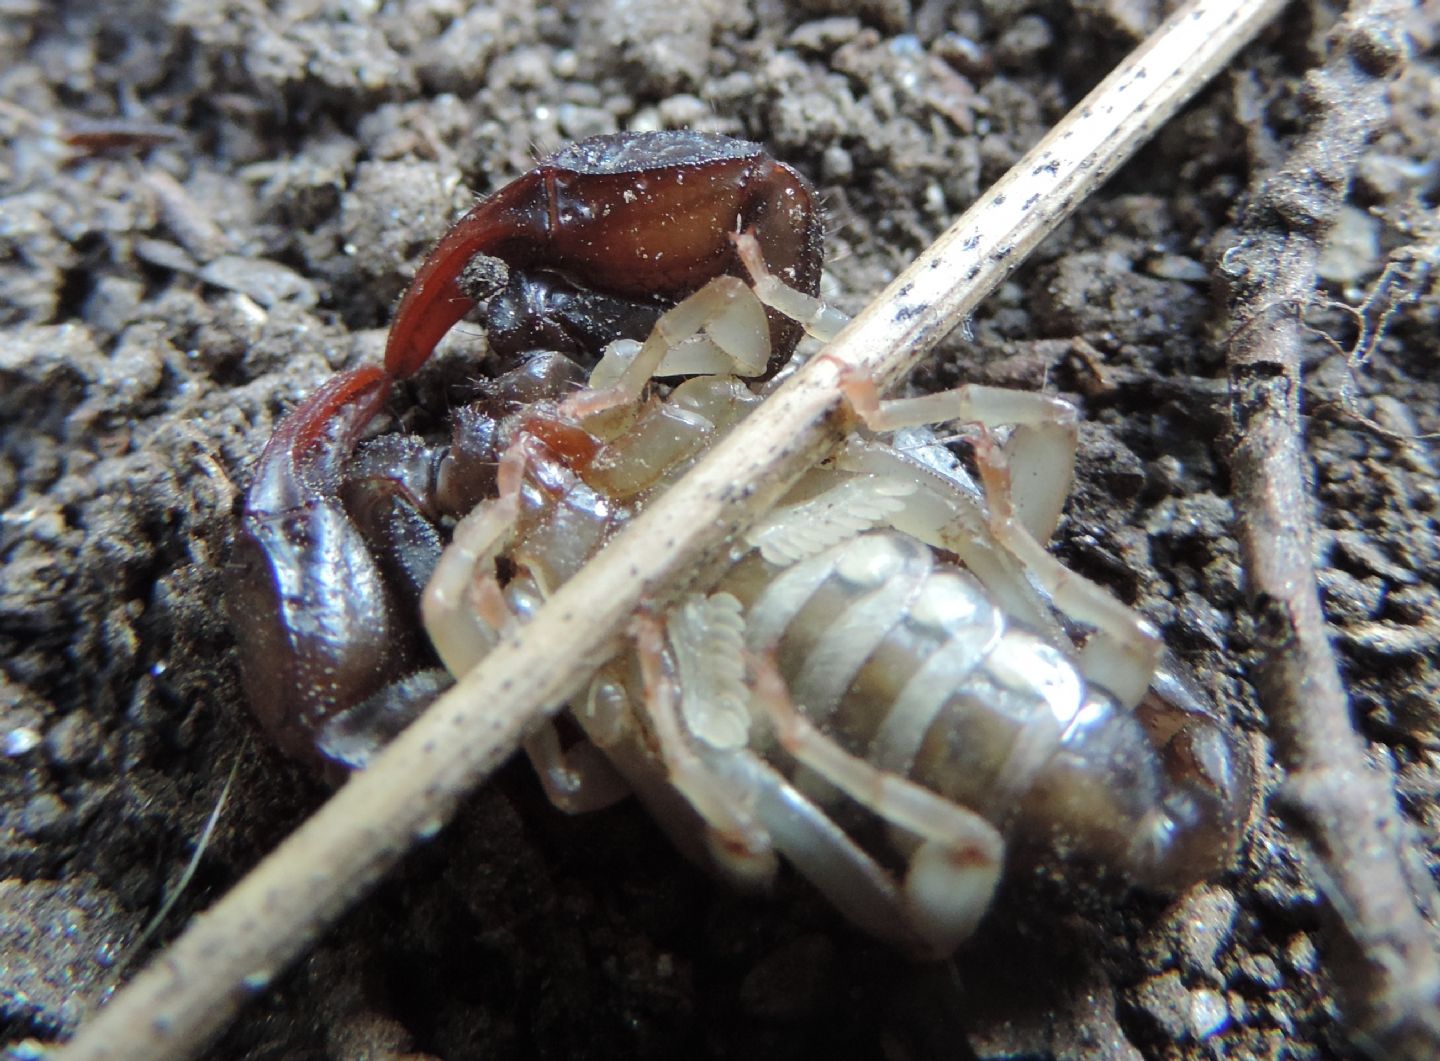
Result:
[
  {"x": 843, "y": 658},
  {"x": 844, "y": 666}
]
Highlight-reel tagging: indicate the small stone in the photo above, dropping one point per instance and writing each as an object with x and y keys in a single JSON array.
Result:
[
  {"x": 1261, "y": 970},
  {"x": 836, "y": 165},
  {"x": 684, "y": 110},
  {"x": 1239, "y": 1007},
  {"x": 1177, "y": 267},
  {"x": 73, "y": 741},
  {"x": 1208, "y": 1013},
  {"x": 166, "y": 255},
  {"x": 1352, "y": 250},
  {"x": 113, "y": 303},
  {"x": 1182, "y": 1014},
  {"x": 1022, "y": 43},
  {"x": 42, "y": 813},
  {"x": 53, "y": 936},
  {"x": 823, "y": 35},
  {"x": 1300, "y": 954},
  {"x": 267, "y": 282},
  {"x": 1164, "y": 999},
  {"x": 965, "y": 56},
  {"x": 19, "y": 741},
  {"x": 1195, "y": 929}
]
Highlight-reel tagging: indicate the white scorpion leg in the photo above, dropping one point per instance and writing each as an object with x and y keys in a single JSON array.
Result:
[
  {"x": 578, "y": 779},
  {"x": 1125, "y": 649},
  {"x": 719, "y": 330},
  {"x": 464, "y": 612},
  {"x": 747, "y": 808},
  {"x": 819, "y": 320},
  {"x": 952, "y": 874},
  {"x": 735, "y": 838},
  {"x": 463, "y": 607},
  {"x": 1042, "y": 444},
  {"x": 1026, "y": 482}
]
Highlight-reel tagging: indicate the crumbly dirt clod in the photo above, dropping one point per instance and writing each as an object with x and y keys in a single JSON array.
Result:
[{"x": 164, "y": 303}]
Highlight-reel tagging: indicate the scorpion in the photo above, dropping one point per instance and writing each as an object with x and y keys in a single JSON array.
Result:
[{"x": 888, "y": 679}]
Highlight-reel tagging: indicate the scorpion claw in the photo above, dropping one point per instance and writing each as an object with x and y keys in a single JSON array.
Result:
[{"x": 317, "y": 627}]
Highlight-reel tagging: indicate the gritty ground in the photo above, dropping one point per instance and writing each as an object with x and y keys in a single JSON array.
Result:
[{"x": 166, "y": 299}]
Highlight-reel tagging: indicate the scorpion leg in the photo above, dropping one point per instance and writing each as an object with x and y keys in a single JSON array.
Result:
[
  {"x": 1043, "y": 441},
  {"x": 819, "y": 320},
  {"x": 736, "y": 840},
  {"x": 952, "y": 874},
  {"x": 1204, "y": 779},
  {"x": 748, "y": 809},
  {"x": 1125, "y": 650},
  {"x": 1025, "y": 482},
  {"x": 1208, "y": 781},
  {"x": 720, "y": 329},
  {"x": 578, "y": 779},
  {"x": 464, "y": 610},
  {"x": 949, "y": 512},
  {"x": 825, "y": 855},
  {"x": 463, "y": 607}
]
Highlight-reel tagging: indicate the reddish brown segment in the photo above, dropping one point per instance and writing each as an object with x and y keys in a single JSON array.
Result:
[
  {"x": 347, "y": 401},
  {"x": 575, "y": 445},
  {"x": 644, "y": 215}
]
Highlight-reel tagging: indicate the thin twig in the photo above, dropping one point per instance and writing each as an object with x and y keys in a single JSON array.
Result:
[
  {"x": 183, "y": 998},
  {"x": 1382, "y": 952}
]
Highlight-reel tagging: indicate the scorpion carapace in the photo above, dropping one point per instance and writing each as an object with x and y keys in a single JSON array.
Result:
[{"x": 889, "y": 644}]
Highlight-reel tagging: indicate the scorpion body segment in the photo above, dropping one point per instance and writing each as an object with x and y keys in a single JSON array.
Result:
[
  {"x": 908, "y": 662},
  {"x": 889, "y": 647}
]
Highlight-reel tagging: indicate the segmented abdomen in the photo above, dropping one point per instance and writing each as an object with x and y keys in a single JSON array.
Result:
[{"x": 904, "y": 660}]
